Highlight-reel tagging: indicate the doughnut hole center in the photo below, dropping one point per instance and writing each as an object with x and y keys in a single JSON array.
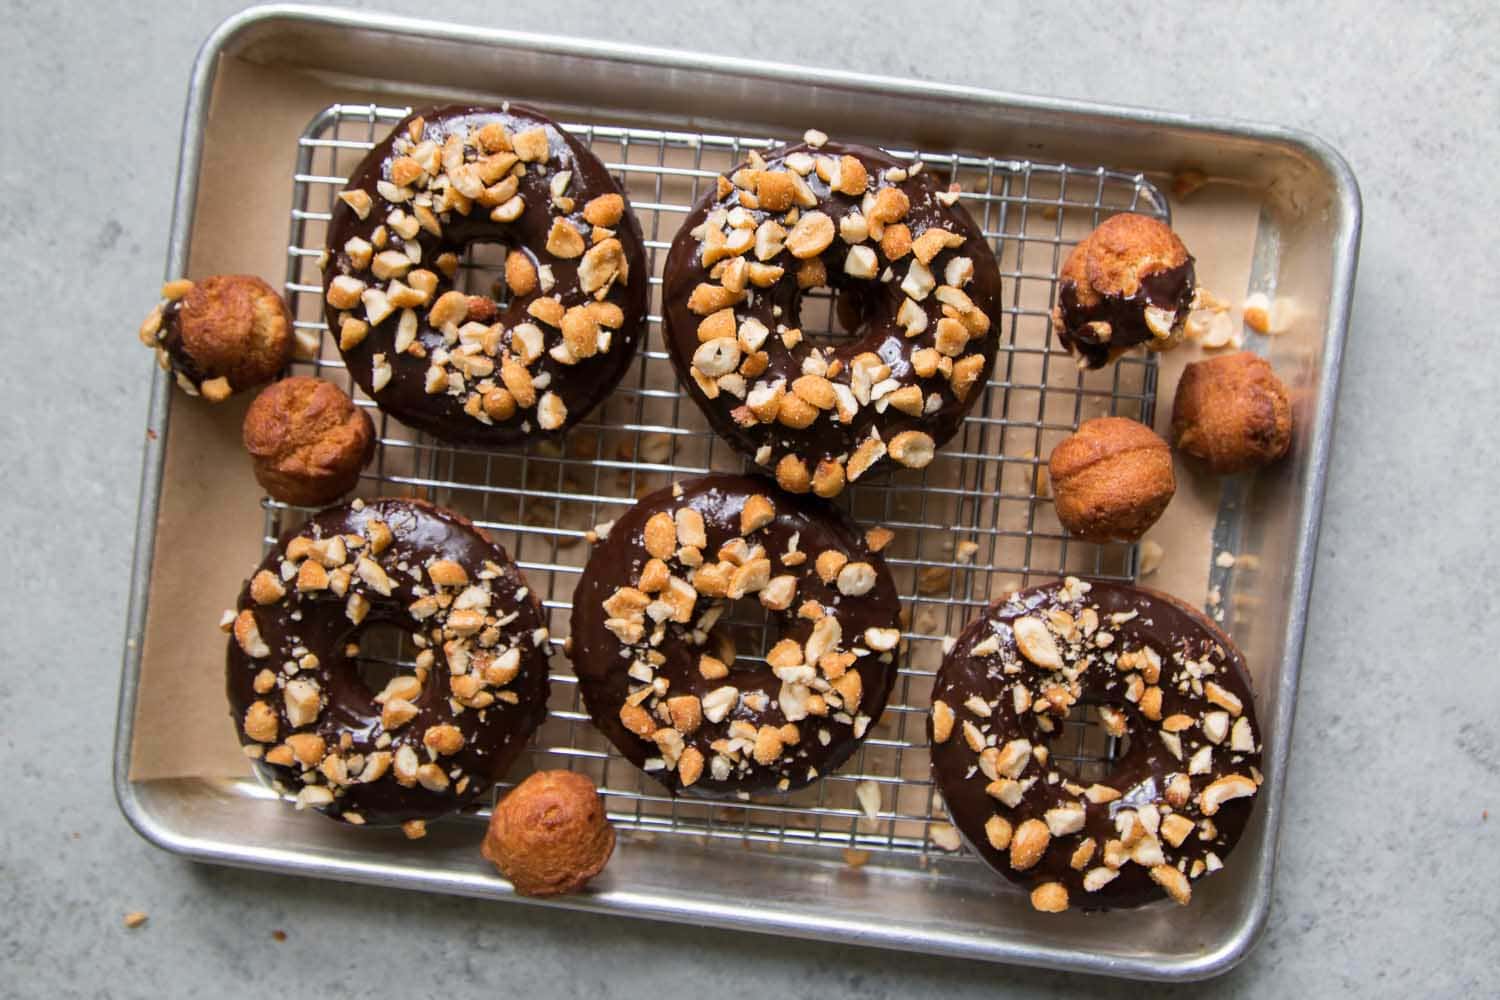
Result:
[
  {"x": 385, "y": 652},
  {"x": 1082, "y": 748},
  {"x": 832, "y": 317},
  {"x": 481, "y": 271},
  {"x": 745, "y": 632}
]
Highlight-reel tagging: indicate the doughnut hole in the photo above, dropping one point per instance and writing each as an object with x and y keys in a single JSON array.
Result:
[
  {"x": 1082, "y": 749},
  {"x": 834, "y": 316},
  {"x": 747, "y": 630},
  {"x": 481, "y": 271},
  {"x": 386, "y": 651}
]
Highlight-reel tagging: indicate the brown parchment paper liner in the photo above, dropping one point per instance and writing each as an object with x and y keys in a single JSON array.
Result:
[{"x": 211, "y": 519}]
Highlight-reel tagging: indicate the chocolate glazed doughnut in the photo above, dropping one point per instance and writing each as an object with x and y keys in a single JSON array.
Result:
[
  {"x": 464, "y": 368},
  {"x": 1164, "y": 677},
  {"x": 916, "y": 280},
  {"x": 432, "y": 741},
  {"x": 660, "y": 676}
]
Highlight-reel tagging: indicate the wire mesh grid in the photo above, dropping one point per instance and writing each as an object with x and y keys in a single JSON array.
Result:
[{"x": 972, "y": 526}]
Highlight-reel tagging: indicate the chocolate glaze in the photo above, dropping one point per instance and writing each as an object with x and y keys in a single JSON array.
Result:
[
  {"x": 1126, "y": 314},
  {"x": 169, "y": 340},
  {"x": 317, "y": 623},
  {"x": 582, "y": 385},
  {"x": 1164, "y": 624},
  {"x": 601, "y": 660},
  {"x": 870, "y": 302}
]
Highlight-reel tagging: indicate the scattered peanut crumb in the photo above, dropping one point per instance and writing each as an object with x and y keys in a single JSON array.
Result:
[
  {"x": 855, "y": 858},
  {"x": 1257, "y": 309},
  {"x": 1213, "y": 330},
  {"x": 933, "y": 580},
  {"x": 1205, "y": 299},
  {"x": 944, "y": 836},
  {"x": 656, "y": 447},
  {"x": 1040, "y": 484},
  {"x": 278, "y": 936},
  {"x": 1151, "y": 556},
  {"x": 868, "y": 794},
  {"x": 1283, "y": 314},
  {"x": 1187, "y": 181},
  {"x": 135, "y": 918},
  {"x": 1263, "y": 315}
]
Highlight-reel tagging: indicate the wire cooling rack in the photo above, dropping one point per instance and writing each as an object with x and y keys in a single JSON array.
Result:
[{"x": 972, "y": 526}]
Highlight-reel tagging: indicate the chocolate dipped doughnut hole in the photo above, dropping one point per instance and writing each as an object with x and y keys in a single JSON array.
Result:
[
  {"x": 916, "y": 283},
  {"x": 656, "y": 659},
  {"x": 220, "y": 335},
  {"x": 1129, "y": 282},
  {"x": 556, "y": 335},
  {"x": 438, "y": 733},
  {"x": 1162, "y": 678}
]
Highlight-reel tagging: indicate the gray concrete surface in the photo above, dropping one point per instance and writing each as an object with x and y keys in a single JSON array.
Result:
[{"x": 1387, "y": 882}]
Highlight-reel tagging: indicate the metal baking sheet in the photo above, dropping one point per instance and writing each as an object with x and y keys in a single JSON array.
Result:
[{"x": 677, "y": 860}]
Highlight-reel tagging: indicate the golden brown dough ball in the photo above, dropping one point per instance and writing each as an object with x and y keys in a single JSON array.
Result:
[
  {"x": 549, "y": 836},
  {"x": 1111, "y": 479},
  {"x": 1232, "y": 412},
  {"x": 308, "y": 441}
]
